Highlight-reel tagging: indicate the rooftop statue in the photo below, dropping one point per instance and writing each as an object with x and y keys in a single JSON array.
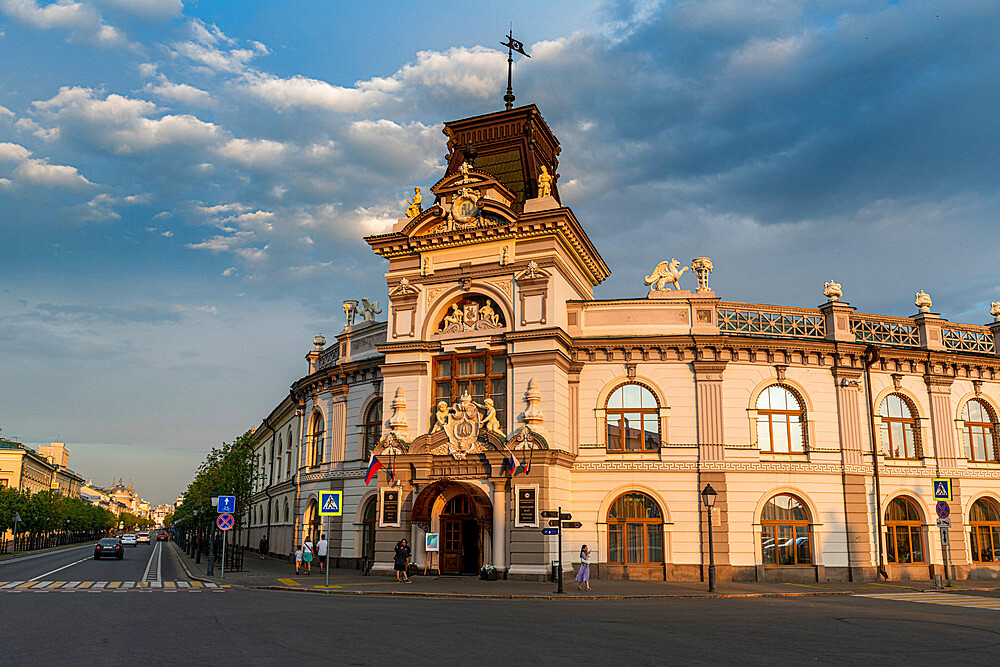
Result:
[
  {"x": 413, "y": 210},
  {"x": 369, "y": 309},
  {"x": 664, "y": 274},
  {"x": 832, "y": 291},
  {"x": 544, "y": 183},
  {"x": 923, "y": 301},
  {"x": 995, "y": 310}
]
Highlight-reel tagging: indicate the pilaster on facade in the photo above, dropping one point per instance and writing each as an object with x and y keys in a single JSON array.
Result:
[{"x": 709, "y": 408}]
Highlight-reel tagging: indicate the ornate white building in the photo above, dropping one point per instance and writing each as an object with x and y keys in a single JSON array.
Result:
[{"x": 821, "y": 429}]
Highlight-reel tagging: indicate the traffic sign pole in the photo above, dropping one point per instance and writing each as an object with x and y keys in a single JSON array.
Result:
[
  {"x": 223, "y": 569},
  {"x": 560, "y": 556},
  {"x": 327, "y": 553}
]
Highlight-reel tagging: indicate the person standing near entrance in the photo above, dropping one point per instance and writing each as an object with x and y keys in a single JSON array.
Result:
[
  {"x": 307, "y": 556},
  {"x": 321, "y": 547},
  {"x": 400, "y": 560},
  {"x": 262, "y": 547},
  {"x": 583, "y": 576}
]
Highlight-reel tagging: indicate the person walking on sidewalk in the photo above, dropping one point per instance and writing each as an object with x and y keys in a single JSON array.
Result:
[
  {"x": 298, "y": 560},
  {"x": 321, "y": 547},
  {"x": 583, "y": 576},
  {"x": 262, "y": 547},
  {"x": 307, "y": 556},
  {"x": 401, "y": 560}
]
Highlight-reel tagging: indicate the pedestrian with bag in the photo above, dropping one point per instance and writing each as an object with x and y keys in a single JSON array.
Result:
[
  {"x": 262, "y": 547},
  {"x": 583, "y": 576},
  {"x": 401, "y": 560},
  {"x": 307, "y": 556},
  {"x": 321, "y": 547}
]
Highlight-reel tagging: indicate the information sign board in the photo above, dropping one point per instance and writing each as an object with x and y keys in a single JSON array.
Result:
[
  {"x": 527, "y": 505},
  {"x": 390, "y": 507},
  {"x": 550, "y": 531},
  {"x": 944, "y": 523},
  {"x": 227, "y": 504},
  {"x": 549, "y": 514},
  {"x": 431, "y": 542}
]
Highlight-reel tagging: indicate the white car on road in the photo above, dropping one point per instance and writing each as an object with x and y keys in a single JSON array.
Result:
[{"x": 129, "y": 540}]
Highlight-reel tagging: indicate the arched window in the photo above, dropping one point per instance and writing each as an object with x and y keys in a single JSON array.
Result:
[
  {"x": 288, "y": 466},
  {"x": 899, "y": 428},
  {"x": 635, "y": 531},
  {"x": 633, "y": 416},
  {"x": 984, "y": 530},
  {"x": 368, "y": 529},
  {"x": 317, "y": 439},
  {"x": 980, "y": 433},
  {"x": 286, "y": 511},
  {"x": 904, "y": 539},
  {"x": 373, "y": 428},
  {"x": 780, "y": 420},
  {"x": 785, "y": 533}
]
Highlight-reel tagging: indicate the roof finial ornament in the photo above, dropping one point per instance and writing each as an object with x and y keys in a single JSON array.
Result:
[{"x": 512, "y": 45}]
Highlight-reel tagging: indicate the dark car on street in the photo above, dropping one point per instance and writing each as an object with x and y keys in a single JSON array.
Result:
[{"x": 109, "y": 546}]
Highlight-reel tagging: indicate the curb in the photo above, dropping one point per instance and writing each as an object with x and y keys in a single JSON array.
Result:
[
  {"x": 419, "y": 594},
  {"x": 188, "y": 572}
]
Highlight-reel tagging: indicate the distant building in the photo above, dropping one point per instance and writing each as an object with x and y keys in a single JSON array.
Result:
[{"x": 23, "y": 468}]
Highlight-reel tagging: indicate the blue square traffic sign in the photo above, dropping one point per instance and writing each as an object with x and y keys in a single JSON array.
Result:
[
  {"x": 942, "y": 488},
  {"x": 227, "y": 504},
  {"x": 331, "y": 503}
]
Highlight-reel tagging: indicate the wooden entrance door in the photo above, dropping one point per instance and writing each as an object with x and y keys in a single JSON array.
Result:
[{"x": 451, "y": 546}]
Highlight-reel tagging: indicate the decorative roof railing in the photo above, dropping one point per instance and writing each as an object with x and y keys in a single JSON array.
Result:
[
  {"x": 885, "y": 330},
  {"x": 968, "y": 338},
  {"x": 751, "y": 319}
]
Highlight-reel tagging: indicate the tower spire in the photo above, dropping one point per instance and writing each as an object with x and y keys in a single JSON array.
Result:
[{"x": 512, "y": 46}]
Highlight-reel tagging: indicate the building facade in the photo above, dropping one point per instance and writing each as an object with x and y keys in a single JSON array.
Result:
[
  {"x": 822, "y": 430},
  {"x": 24, "y": 469}
]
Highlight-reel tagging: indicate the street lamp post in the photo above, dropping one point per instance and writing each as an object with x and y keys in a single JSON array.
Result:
[
  {"x": 211, "y": 544},
  {"x": 67, "y": 531},
  {"x": 197, "y": 540},
  {"x": 708, "y": 496}
]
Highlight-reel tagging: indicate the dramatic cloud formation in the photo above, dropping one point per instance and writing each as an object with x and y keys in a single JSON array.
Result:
[{"x": 181, "y": 191}]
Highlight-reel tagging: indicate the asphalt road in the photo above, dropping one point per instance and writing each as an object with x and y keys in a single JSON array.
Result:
[
  {"x": 78, "y": 564},
  {"x": 269, "y": 627}
]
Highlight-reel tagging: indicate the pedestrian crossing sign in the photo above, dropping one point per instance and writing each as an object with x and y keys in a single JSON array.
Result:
[
  {"x": 942, "y": 488},
  {"x": 330, "y": 503}
]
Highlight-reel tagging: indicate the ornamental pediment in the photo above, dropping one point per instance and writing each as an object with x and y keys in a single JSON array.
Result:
[{"x": 465, "y": 201}]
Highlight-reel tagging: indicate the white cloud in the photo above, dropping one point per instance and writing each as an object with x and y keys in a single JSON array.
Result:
[
  {"x": 122, "y": 124},
  {"x": 39, "y": 172},
  {"x": 148, "y": 9},
  {"x": 180, "y": 92},
  {"x": 212, "y": 49},
  {"x": 300, "y": 91},
  {"x": 5, "y": 112},
  {"x": 13, "y": 152},
  {"x": 83, "y": 22},
  {"x": 254, "y": 152}
]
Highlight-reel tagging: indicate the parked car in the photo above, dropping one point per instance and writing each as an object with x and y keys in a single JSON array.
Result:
[
  {"x": 109, "y": 546},
  {"x": 129, "y": 540}
]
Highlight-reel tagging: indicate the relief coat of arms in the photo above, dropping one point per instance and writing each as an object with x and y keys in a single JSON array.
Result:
[{"x": 461, "y": 424}]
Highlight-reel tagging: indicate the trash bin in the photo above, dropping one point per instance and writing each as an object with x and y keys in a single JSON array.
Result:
[{"x": 555, "y": 570}]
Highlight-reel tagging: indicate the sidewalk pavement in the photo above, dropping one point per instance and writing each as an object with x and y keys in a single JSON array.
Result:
[{"x": 276, "y": 574}]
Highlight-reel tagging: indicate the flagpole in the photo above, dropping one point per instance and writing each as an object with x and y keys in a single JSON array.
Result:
[{"x": 509, "y": 97}]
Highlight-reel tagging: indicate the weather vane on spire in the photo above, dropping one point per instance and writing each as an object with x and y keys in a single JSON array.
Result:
[{"x": 512, "y": 46}]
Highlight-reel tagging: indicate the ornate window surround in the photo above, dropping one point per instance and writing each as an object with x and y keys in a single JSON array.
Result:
[
  {"x": 316, "y": 450},
  {"x": 815, "y": 536},
  {"x": 809, "y": 423},
  {"x": 922, "y": 518},
  {"x": 366, "y": 406},
  {"x": 601, "y": 415},
  {"x": 968, "y": 523},
  {"x": 442, "y": 304},
  {"x": 962, "y": 433},
  {"x": 774, "y": 523},
  {"x": 922, "y": 415}
]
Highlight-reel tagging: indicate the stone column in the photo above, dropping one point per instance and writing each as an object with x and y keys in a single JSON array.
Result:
[
  {"x": 708, "y": 402},
  {"x": 853, "y": 425},
  {"x": 500, "y": 524}
]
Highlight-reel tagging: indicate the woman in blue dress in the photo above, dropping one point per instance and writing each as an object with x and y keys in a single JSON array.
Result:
[{"x": 583, "y": 576}]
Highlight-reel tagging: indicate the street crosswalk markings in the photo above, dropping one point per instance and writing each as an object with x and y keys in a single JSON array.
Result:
[
  {"x": 952, "y": 599},
  {"x": 110, "y": 586}
]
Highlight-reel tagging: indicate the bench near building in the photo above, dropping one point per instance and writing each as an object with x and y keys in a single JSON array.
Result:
[{"x": 821, "y": 429}]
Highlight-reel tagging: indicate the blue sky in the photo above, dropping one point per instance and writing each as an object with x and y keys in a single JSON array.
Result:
[{"x": 184, "y": 186}]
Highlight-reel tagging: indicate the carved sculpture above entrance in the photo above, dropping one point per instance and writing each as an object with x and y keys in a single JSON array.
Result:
[
  {"x": 461, "y": 424},
  {"x": 471, "y": 313}
]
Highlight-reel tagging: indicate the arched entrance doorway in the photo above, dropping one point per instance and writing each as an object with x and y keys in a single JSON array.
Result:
[
  {"x": 461, "y": 537},
  {"x": 368, "y": 518},
  {"x": 310, "y": 522},
  {"x": 462, "y": 515}
]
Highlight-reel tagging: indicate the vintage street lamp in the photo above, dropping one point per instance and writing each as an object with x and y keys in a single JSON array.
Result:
[
  {"x": 210, "y": 570},
  {"x": 708, "y": 497},
  {"x": 67, "y": 531}
]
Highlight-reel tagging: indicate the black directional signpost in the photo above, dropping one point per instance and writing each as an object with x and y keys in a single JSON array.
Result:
[{"x": 559, "y": 520}]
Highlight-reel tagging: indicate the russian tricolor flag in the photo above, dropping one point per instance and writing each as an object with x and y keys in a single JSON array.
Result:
[
  {"x": 373, "y": 467},
  {"x": 512, "y": 470}
]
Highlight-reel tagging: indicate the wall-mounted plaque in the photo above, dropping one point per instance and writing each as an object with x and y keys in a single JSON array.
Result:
[
  {"x": 390, "y": 507},
  {"x": 527, "y": 505}
]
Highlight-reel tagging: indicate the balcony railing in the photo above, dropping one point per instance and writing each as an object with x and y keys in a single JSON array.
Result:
[
  {"x": 968, "y": 338},
  {"x": 748, "y": 319},
  {"x": 884, "y": 330}
]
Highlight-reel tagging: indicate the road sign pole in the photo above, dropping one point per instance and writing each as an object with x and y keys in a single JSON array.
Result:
[
  {"x": 560, "y": 555},
  {"x": 944, "y": 553},
  {"x": 223, "y": 570},
  {"x": 327, "y": 553}
]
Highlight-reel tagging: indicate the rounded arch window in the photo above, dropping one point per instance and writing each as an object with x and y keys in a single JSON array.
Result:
[
  {"x": 899, "y": 428},
  {"x": 635, "y": 531},
  {"x": 317, "y": 437},
  {"x": 980, "y": 432},
  {"x": 984, "y": 531},
  {"x": 286, "y": 512},
  {"x": 785, "y": 536},
  {"x": 288, "y": 454},
  {"x": 373, "y": 427},
  {"x": 633, "y": 419},
  {"x": 780, "y": 421},
  {"x": 904, "y": 539}
]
